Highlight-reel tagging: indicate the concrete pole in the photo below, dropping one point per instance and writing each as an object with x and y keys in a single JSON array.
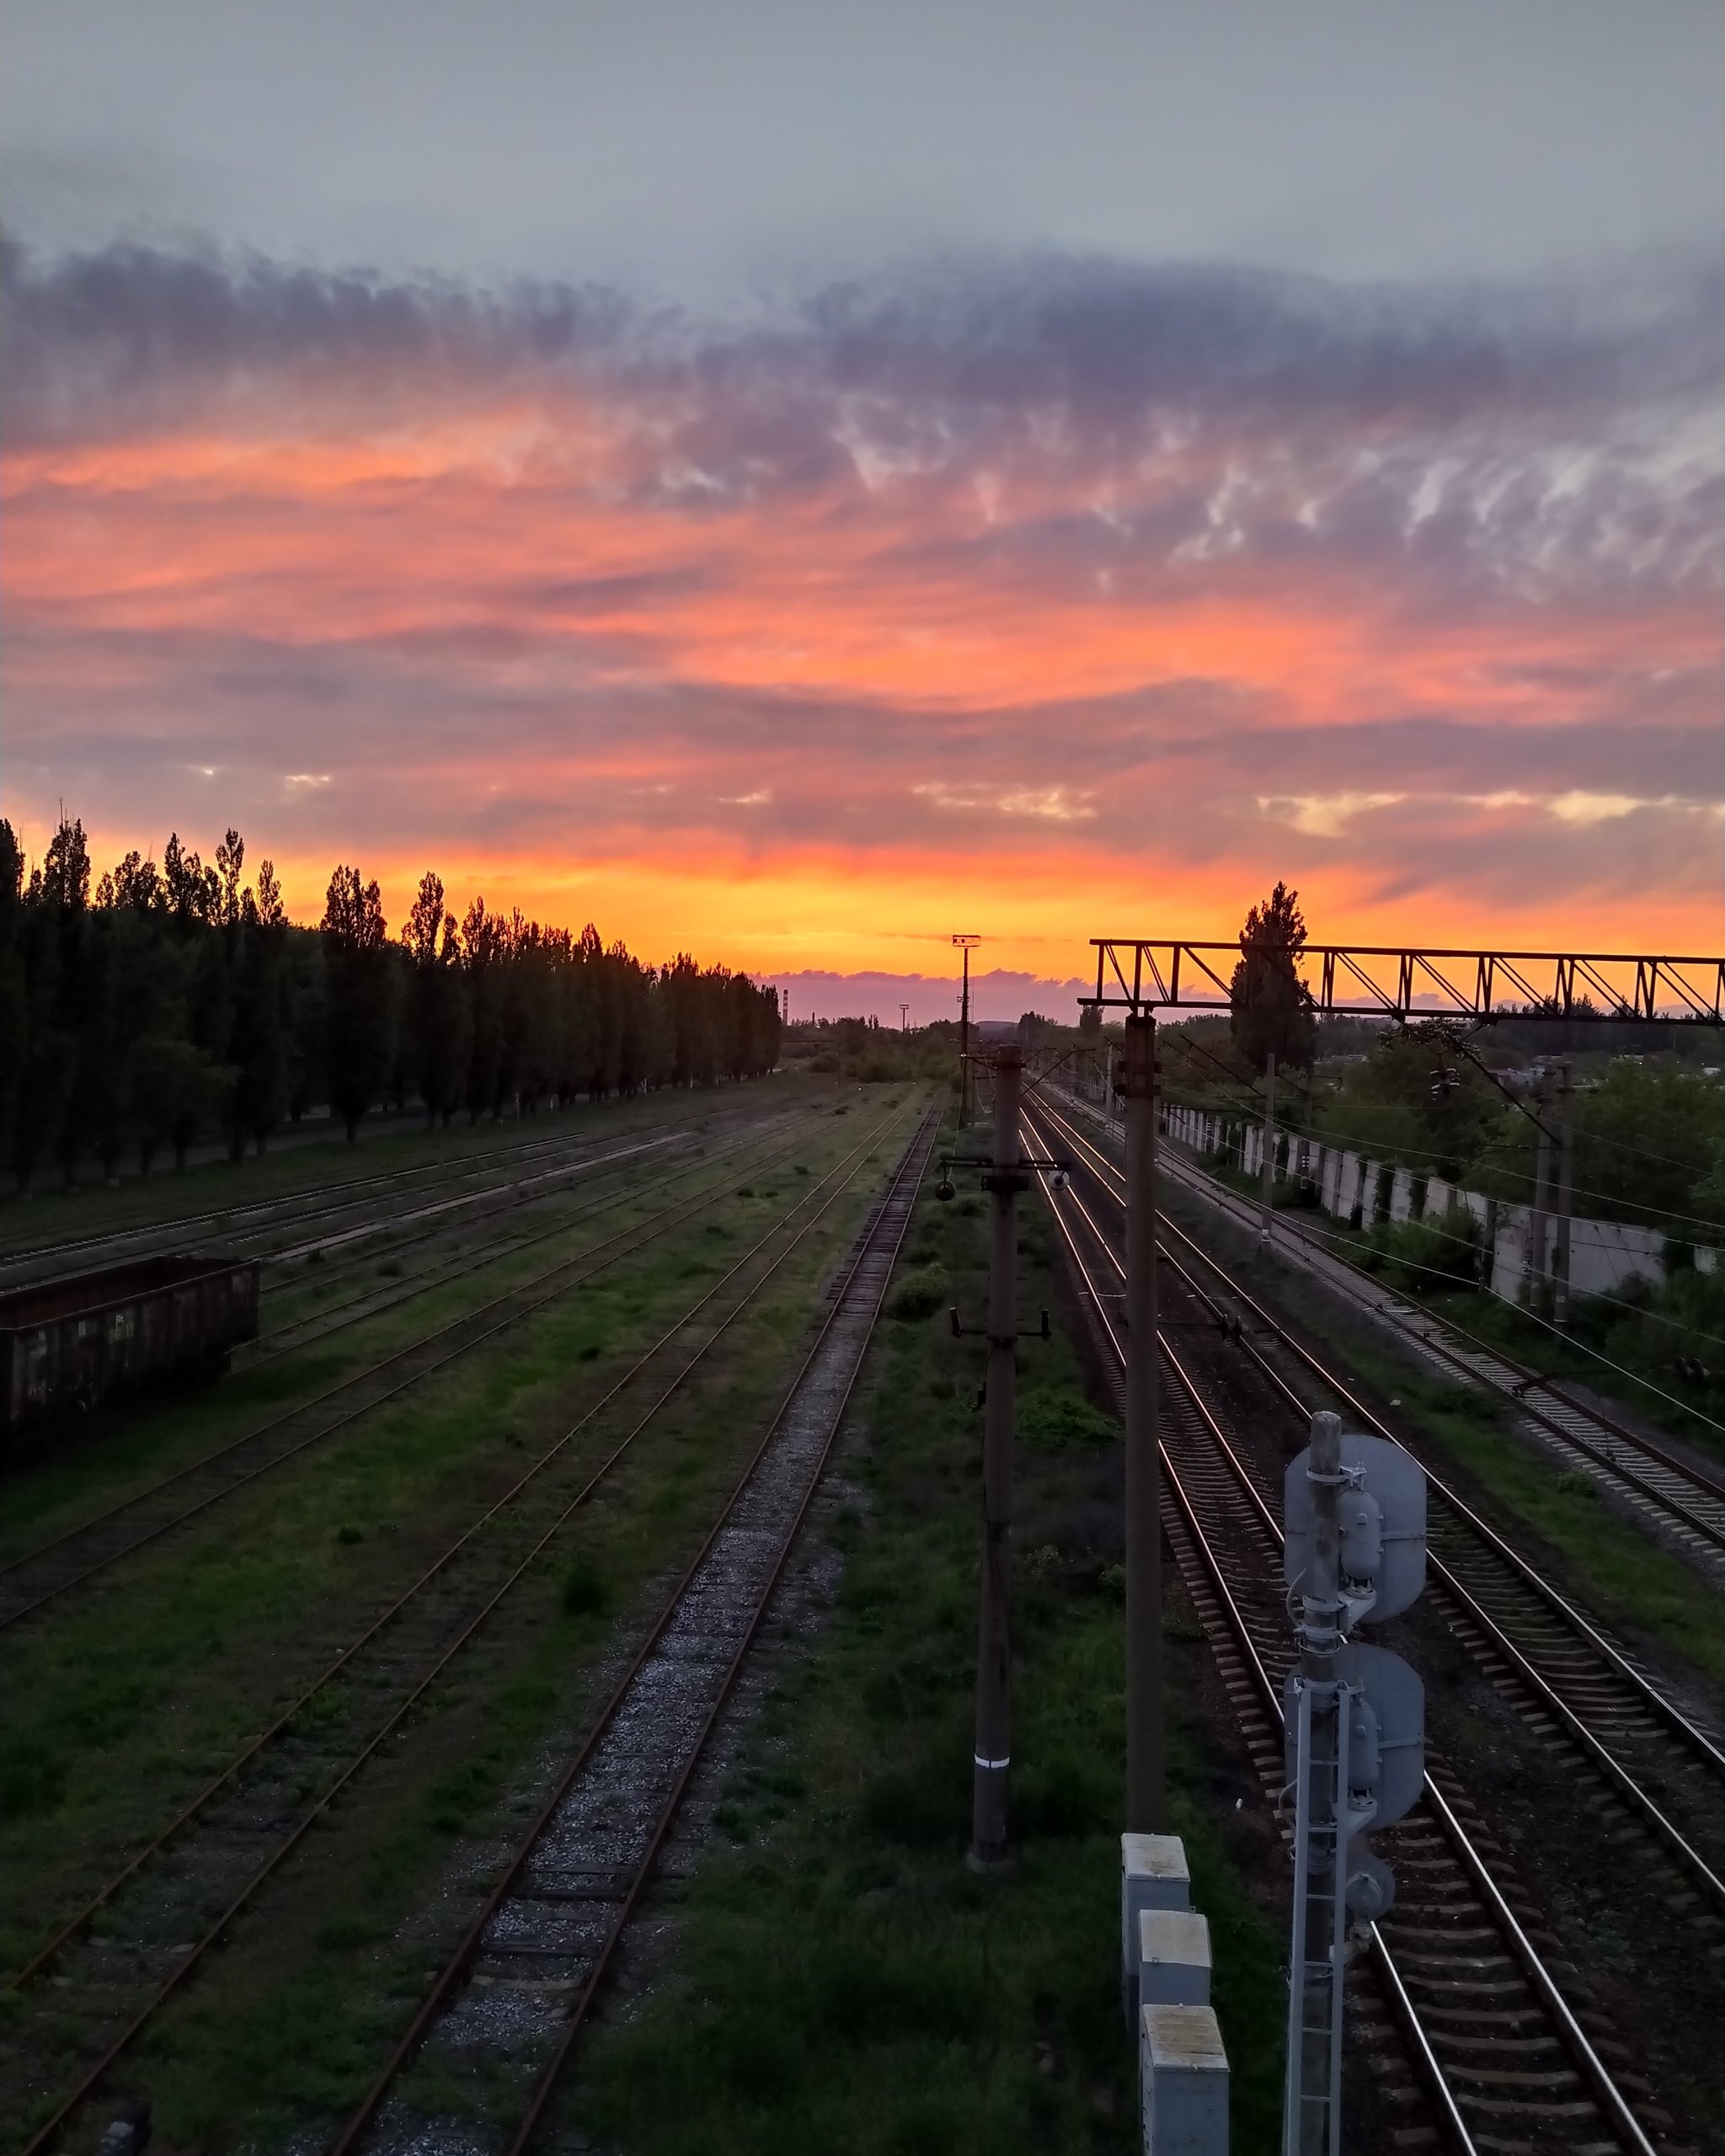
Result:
[
  {"x": 1269, "y": 1144},
  {"x": 1566, "y": 1178},
  {"x": 994, "y": 1649},
  {"x": 964, "y": 1045},
  {"x": 1146, "y": 1794},
  {"x": 1536, "y": 1219}
]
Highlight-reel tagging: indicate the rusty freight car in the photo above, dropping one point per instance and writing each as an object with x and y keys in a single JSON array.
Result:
[{"x": 66, "y": 1346}]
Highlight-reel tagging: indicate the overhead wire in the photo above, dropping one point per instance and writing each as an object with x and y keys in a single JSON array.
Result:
[
  {"x": 1594, "y": 1137},
  {"x": 1327, "y": 1133},
  {"x": 1568, "y": 1339}
]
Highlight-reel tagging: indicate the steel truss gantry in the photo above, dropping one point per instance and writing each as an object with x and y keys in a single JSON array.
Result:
[{"x": 1361, "y": 980}]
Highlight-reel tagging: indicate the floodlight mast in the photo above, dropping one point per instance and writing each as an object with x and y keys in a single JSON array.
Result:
[{"x": 966, "y": 944}]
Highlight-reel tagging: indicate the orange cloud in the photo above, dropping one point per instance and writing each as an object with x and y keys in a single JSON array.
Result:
[{"x": 752, "y": 662}]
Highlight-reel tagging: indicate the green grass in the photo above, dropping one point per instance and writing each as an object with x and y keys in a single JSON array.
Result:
[
  {"x": 121, "y": 1703},
  {"x": 322, "y": 1976},
  {"x": 839, "y": 1981},
  {"x": 90, "y": 1208}
]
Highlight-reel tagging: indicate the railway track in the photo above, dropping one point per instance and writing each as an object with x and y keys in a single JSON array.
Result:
[
  {"x": 39, "y": 1578},
  {"x": 374, "y": 1299},
  {"x": 1570, "y": 1681},
  {"x": 1479, "y": 2017},
  {"x": 232, "y": 1229},
  {"x": 1681, "y": 1501},
  {"x": 507, "y": 2009},
  {"x": 200, "y": 1874}
]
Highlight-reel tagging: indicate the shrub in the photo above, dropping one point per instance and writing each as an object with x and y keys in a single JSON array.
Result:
[
  {"x": 585, "y": 1591},
  {"x": 31, "y": 1779},
  {"x": 1054, "y": 1421},
  {"x": 921, "y": 1293},
  {"x": 1416, "y": 1254}
]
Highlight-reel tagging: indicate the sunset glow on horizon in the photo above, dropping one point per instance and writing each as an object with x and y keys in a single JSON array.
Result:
[{"x": 1050, "y": 594}]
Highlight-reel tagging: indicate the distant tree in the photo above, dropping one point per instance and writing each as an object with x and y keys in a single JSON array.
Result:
[
  {"x": 360, "y": 1019},
  {"x": 1271, "y": 1008},
  {"x": 15, "y": 1012},
  {"x": 271, "y": 913},
  {"x": 65, "y": 869},
  {"x": 305, "y": 1004},
  {"x": 184, "y": 881},
  {"x": 258, "y": 1046},
  {"x": 437, "y": 1031},
  {"x": 230, "y": 860},
  {"x": 135, "y": 883},
  {"x": 481, "y": 966}
]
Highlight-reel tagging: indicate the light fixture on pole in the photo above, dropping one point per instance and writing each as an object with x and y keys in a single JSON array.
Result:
[{"x": 966, "y": 944}]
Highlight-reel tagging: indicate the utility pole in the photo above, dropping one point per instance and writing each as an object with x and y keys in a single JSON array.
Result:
[
  {"x": 1269, "y": 1143},
  {"x": 1537, "y": 1222},
  {"x": 1566, "y": 1176},
  {"x": 1146, "y": 1796},
  {"x": 965, "y": 944},
  {"x": 988, "y": 1831}
]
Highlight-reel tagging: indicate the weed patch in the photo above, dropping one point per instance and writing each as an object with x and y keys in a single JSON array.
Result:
[
  {"x": 585, "y": 1591},
  {"x": 921, "y": 1293},
  {"x": 841, "y": 1982}
]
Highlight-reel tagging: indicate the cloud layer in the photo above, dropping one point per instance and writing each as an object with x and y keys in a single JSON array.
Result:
[{"x": 1047, "y": 598}]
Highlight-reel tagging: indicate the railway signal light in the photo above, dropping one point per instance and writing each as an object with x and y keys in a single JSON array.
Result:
[{"x": 1354, "y": 1515}]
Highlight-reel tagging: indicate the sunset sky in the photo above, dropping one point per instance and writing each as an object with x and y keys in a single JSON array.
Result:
[{"x": 790, "y": 482}]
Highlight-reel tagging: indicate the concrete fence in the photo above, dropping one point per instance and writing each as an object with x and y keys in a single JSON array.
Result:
[{"x": 1603, "y": 1255}]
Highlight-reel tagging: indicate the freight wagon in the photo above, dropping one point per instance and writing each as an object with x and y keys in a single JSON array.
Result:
[{"x": 66, "y": 1346}]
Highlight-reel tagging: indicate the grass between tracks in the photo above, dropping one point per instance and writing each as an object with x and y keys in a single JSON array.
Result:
[
  {"x": 121, "y": 1704},
  {"x": 322, "y": 1164},
  {"x": 1628, "y": 1344},
  {"x": 842, "y": 1983},
  {"x": 1604, "y": 1561},
  {"x": 129, "y": 1447}
]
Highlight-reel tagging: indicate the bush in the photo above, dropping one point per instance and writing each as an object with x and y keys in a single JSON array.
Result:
[
  {"x": 32, "y": 1778},
  {"x": 1417, "y": 1254},
  {"x": 585, "y": 1593},
  {"x": 921, "y": 1293},
  {"x": 1053, "y": 1421}
]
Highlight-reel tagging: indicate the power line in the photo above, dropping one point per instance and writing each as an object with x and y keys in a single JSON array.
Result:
[
  {"x": 1474, "y": 1286},
  {"x": 1593, "y": 1137},
  {"x": 1333, "y": 1235},
  {"x": 1656, "y": 1213}
]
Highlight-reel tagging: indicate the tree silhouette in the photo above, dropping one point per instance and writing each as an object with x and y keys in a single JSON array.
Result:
[
  {"x": 359, "y": 984},
  {"x": 170, "y": 1005},
  {"x": 14, "y": 1009},
  {"x": 438, "y": 1031},
  {"x": 1271, "y": 1007}
]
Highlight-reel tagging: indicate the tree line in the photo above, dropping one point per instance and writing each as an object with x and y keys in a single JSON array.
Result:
[{"x": 173, "y": 1004}]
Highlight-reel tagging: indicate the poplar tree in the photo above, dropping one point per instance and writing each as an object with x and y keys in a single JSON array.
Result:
[
  {"x": 438, "y": 1030},
  {"x": 13, "y": 1008},
  {"x": 359, "y": 984}
]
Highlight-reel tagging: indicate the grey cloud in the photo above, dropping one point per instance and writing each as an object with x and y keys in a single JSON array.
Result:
[{"x": 956, "y": 341}]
